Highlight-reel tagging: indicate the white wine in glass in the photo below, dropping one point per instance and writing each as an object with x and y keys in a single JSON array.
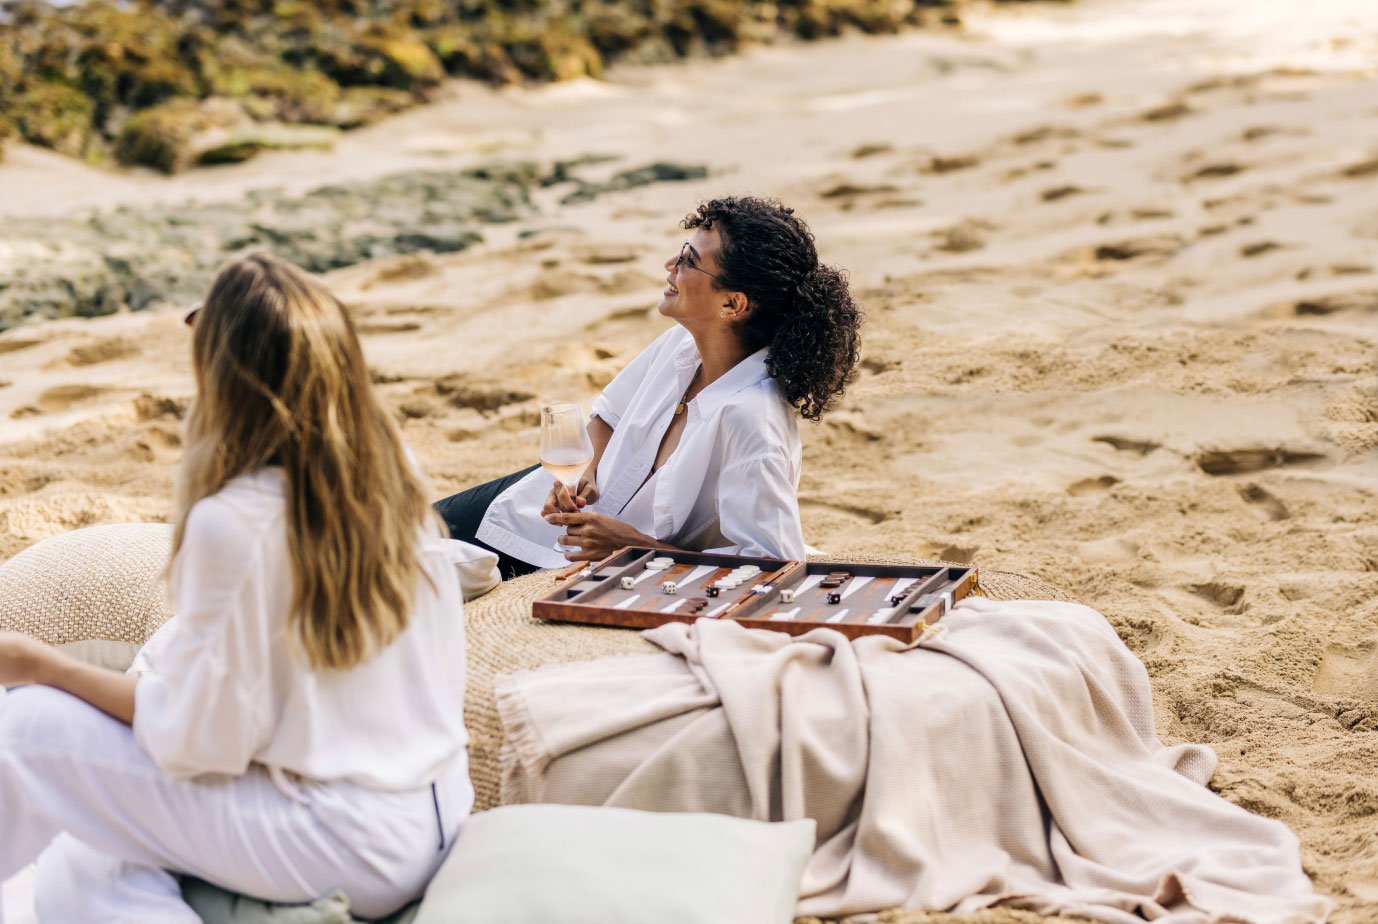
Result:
[{"x": 566, "y": 450}]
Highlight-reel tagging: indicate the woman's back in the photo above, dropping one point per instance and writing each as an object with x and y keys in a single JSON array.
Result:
[{"x": 389, "y": 723}]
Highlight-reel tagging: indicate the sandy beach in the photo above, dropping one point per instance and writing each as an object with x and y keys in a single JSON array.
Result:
[{"x": 1120, "y": 265}]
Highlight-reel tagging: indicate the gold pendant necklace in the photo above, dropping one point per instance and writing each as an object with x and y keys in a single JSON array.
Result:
[{"x": 684, "y": 401}]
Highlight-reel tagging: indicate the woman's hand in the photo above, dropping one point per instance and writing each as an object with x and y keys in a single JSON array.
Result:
[
  {"x": 597, "y": 536},
  {"x": 22, "y": 659},
  {"x": 559, "y": 500}
]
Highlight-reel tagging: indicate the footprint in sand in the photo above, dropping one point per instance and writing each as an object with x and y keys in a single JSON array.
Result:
[
  {"x": 1254, "y": 459},
  {"x": 1362, "y": 302},
  {"x": 1045, "y": 133},
  {"x": 1349, "y": 671},
  {"x": 1159, "y": 245},
  {"x": 1214, "y": 171},
  {"x": 942, "y": 164},
  {"x": 417, "y": 409},
  {"x": 1229, "y": 597},
  {"x": 59, "y": 398},
  {"x": 1259, "y": 132},
  {"x": 1168, "y": 112},
  {"x": 1083, "y": 100},
  {"x": 402, "y": 269},
  {"x": 1060, "y": 192},
  {"x": 1264, "y": 501},
  {"x": 1127, "y": 444},
  {"x": 853, "y": 190},
  {"x": 1362, "y": 169},
  {"x": 102, "y": 351},
  {"x": 1258, "y": 248},
  {"x": 15, "y": 345},
  {"x": 365, "y": 328},
  {"x": 605, "y": 254},
  {"x": 1092, "y": 485},
  {"x": 870, "y": 516},
  {"x": 963, "y": 237},
  {"x": 153, "y": 407},
  {"x": 462, "y": 393},
  {"x": 863, "y": 151}
]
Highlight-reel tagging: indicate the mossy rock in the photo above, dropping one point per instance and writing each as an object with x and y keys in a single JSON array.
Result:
[
  {"x": 244, "y": 143},
  {"x": 615, "y": 29},
  {"x": 169, "y": 137},
  {"x": 124, "y": 56},
  {"x": 7, "y": 134},
  {"x": 55, "y": 115},
  {"x": 11, "y": 68},
  {"x": 715, "y": 25},
  {"x": 464, "y": 54},
  {"x": 381, "y": 55},
  {"x": 556, "y": 53},
  {"x": 360, "y": 106},
  {"x": 279, "y": 92}
]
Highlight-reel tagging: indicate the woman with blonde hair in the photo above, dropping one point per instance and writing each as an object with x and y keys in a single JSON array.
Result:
[{"x": 299, "y": 728}]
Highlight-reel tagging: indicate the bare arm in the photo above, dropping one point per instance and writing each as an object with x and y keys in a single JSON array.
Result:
[
  {"x": 27, "y": 660},
  {"x": 599, "y": 433}
]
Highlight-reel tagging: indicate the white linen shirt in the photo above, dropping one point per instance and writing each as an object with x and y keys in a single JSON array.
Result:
[
  {"x": 730, "y": 485},
  {"x": 225, "y": 686}
]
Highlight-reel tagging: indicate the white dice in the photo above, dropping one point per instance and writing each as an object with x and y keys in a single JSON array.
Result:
[
  {"x": 787, "y": 595},
  {"x": 628, "y": 583},
  {"x": 669, "y": 587}
]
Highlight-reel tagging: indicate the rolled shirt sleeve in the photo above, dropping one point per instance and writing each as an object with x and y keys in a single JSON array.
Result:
[
  {"x": 758, "y": 508},
  {"x": 204, "y": 703}
]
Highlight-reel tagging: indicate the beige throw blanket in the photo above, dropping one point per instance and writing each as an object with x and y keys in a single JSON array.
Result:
[{"x": 1009, "y": 759}]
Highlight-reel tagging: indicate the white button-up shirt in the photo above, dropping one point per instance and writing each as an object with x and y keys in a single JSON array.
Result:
[
  {"x": 224, "y": 687},
  {"x": 730, "y": 485}
]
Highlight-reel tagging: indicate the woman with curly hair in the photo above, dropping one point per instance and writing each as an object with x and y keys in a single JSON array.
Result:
[{"x": 696, "y": 444}]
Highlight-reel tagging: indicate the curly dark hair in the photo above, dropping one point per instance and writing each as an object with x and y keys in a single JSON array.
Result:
[{"x": 800, "y": 309}]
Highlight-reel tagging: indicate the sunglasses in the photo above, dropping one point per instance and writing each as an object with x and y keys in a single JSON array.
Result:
[
  {"x": 684, "y": 258},
  {"x": 189, "y": 319}
]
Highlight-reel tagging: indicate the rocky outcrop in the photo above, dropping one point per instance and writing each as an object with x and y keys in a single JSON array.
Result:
[
  {"x": 136, "y": 257},
  {"x": 140, "y": 83}
]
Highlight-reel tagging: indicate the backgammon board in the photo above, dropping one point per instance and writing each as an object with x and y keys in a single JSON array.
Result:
[{"x": 640, "y": 588}]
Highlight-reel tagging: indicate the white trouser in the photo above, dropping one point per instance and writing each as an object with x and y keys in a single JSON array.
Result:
[{"x": 67, "y": 767}]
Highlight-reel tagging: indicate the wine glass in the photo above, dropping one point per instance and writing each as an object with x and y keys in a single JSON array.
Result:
[{"x": 565, "y": 449}]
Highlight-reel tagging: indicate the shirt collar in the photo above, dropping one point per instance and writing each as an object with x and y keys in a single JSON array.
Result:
[{"x": 750, "y": 371}]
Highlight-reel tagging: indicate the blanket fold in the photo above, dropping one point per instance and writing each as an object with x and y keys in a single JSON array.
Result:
[{"x": 1011, "y": 758}]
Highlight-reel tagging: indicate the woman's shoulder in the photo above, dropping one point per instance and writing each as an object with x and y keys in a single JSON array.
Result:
[
  {"x": 758, "y": 419},
  {"x": 241, "y": 513}
]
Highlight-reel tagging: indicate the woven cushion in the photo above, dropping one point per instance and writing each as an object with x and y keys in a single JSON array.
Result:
[{"x": 97, "y": 593}]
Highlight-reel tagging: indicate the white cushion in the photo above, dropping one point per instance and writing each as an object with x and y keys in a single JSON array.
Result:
[
  {"x": 541, "y": 864},
  {"x": 478, "y": 567}
]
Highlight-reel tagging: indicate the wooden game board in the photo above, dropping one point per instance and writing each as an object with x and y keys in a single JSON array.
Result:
[{"x": 871, "y": 599}]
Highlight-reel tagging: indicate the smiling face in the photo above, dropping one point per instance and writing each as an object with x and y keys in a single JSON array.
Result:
[{"x": 691, "y": 295}]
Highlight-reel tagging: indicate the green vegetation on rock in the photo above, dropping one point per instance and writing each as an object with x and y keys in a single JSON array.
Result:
[
  {"x": 146, "y": 81},
  {"x": 134, "y": 257}
]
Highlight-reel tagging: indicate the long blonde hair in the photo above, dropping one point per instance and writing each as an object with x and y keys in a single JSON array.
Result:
[{"x": 281, "y": 380}]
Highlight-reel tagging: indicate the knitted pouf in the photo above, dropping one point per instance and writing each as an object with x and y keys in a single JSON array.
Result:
[{"x": 98, "y": 593}]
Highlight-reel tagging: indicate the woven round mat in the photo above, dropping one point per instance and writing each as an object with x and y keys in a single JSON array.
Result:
[
  {"x": 504, "y": 637},
  {"x": 97, "y": 592}
]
